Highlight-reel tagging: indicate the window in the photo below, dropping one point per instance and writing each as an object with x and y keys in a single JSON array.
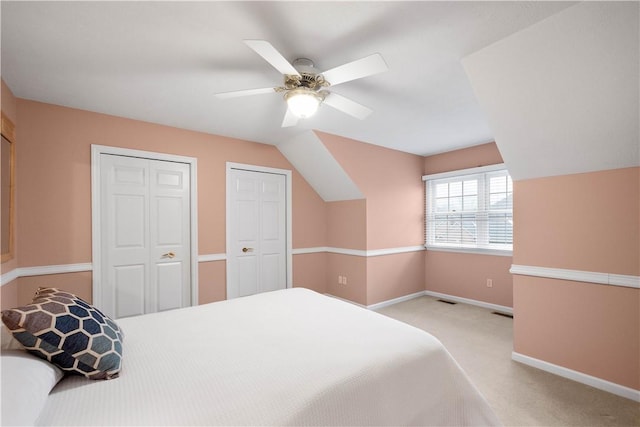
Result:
[{"x": 470, "y": 210}]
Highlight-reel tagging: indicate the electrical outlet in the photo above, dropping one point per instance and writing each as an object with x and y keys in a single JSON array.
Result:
[
  {"x": 344, "y": 280},
  {"x": 489, "y": 283},
  {"x": 339, "y": 280}
]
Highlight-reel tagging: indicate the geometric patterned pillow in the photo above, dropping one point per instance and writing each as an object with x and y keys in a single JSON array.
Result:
[{"x": 68, "y": 332}]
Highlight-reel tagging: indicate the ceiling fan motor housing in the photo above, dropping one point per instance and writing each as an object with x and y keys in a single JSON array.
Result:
[{"x": 308, "y": 78}]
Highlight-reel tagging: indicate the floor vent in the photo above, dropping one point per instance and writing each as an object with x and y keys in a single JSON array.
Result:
[
  {"x": 447, "y": 302},
  {"x": 503, "y": 314}
]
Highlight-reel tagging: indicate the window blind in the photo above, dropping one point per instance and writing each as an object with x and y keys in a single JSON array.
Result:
[{"x": 470, "y": 210}]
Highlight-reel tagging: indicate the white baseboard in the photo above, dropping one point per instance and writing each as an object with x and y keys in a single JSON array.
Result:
[
  {"x": 490, "y": 306},
  {"x": 346, "y": 300},
  {"x": 379, "y": 305},
  {"x": 589, "y": 380}
]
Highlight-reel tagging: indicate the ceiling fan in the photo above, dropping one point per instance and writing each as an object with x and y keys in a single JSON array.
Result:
[{"x": 305, "y": 88}]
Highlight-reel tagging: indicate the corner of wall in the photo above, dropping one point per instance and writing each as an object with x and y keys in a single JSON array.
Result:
[{"x": 316, "y": 164}]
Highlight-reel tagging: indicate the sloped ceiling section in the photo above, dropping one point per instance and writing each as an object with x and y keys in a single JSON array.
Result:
[
  {"x": 562, "y": 96},
  {"x": 315, "y": 163}
]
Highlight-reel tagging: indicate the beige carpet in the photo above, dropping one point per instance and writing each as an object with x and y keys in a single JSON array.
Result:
[{"x": 520, "y": 395}]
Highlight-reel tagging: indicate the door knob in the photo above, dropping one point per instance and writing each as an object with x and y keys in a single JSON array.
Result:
[
  {"x": 169, "y": 255},
  {"x": 247, "y": 249}
]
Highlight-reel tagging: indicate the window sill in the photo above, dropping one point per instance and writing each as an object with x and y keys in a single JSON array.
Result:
[{"x": 480, "y": 251}]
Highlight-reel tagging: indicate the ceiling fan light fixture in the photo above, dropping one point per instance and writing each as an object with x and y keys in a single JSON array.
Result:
[{"x": 303, "y": 102}]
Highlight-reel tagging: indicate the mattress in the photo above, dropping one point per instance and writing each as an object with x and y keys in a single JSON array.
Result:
[{"x": 289, "y": 357}]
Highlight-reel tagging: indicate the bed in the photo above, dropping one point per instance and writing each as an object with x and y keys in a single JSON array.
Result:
[{"x": 289, "y": 357}]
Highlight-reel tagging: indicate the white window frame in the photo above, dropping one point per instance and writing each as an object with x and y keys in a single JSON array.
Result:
[{"x": 482, "y": 247}]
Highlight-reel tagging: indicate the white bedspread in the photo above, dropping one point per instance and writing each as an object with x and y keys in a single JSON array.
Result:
[{"x": 291, "y": 357}]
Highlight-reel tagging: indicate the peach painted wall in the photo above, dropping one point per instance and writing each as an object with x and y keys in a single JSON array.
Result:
[
  {"x": 310, "y": 271},
  {"x": 392, "y": 184},
  {"x": 588, "y": 222},
  {"x": 55, "y": 203},
  {"x": 77, "y": 283},
  {"x": 460, "y": 274},
  {"x": 9, "y": 295},
  {"x": 589, "y": 328},
  {"x": 465, "y": 275},
  {"x": 9, "y": 291},
  {"x": 471, "y": 157},
  {"x": 393, "y": 276},
  {"x": 393, "y": 217},
  {"x": 355, "y": 269},
  {"x": 212, "y": 280},
  {"x": 347, "y": 224},
  {"x": 347, "y": 229}
]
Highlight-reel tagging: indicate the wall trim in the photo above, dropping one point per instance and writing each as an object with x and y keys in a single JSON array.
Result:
[
  {"x": 346, "y": 251},
  {"x": 212, "y": 257},
  {"x": 627, "y": 281},
  {"x": 387, "y": 303},
  {"x": 314, "y": 250},
  {"x": 580, "y": 377},
  {"x": 393, "y": 251},
  {"x": 488, "y": 305},
  {"x": 9, "y": 276},
  {"x": 359, "y": 252},
  {"x": 43, "y": 270}
]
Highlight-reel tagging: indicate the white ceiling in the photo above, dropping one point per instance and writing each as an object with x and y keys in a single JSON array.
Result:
[
  {"x": 572, "y": 108},
  {"x": 162, "y": 62}
]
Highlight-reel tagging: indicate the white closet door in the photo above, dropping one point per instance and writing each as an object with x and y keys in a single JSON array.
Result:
[
  {"x": 169, "y": 220},
  {"x": 145, "y": 230},
  {"x": 256, "y": 260}
]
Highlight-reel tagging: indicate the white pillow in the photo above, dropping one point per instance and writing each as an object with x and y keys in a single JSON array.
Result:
[
  {"x": 7, "y": 341},
  {"x": 26, "y": 383}
]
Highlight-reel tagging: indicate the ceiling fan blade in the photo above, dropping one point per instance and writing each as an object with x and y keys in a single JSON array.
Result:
[
  {"x": 364, "y": 67},
  {"x": 348, "y": 106},
  {"x": 290, "y": 119},
  {"x": 272, "y": 56},
  {"x": 238, "y": 93}
]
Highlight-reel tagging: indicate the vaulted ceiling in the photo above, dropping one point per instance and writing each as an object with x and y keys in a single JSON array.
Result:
[
  {"x": 555, "y": 84},
  {"x": 163, "y": 62}
]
